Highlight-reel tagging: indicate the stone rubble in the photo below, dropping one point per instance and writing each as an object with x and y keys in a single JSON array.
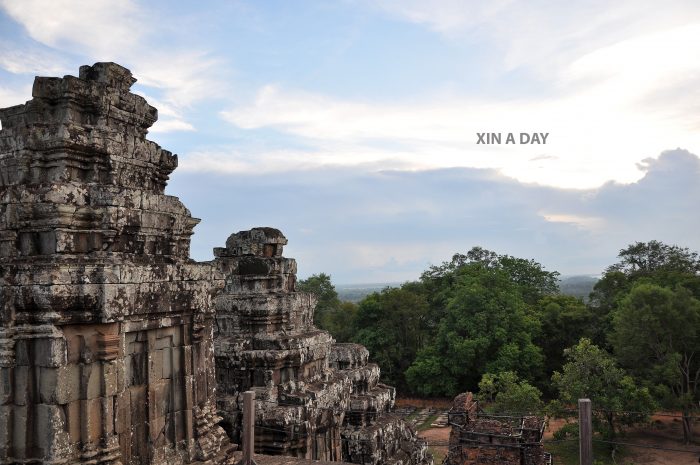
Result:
[{"x": 108, "y": 352}]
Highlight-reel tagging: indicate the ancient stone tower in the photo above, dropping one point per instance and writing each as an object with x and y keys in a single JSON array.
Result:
[
  {"x": 106, "y": 349},
  {"x": 317, "y": 399}
]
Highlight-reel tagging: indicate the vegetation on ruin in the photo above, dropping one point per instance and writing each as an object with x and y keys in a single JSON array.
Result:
[{"x": 499, "y": 326}]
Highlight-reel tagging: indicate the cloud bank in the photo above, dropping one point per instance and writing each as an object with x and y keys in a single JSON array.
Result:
[{"x": 391, "y": 225}]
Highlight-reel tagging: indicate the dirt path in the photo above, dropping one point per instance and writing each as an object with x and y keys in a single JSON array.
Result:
[
  {"x": 664, "y": 432},
  {"x": 436, "y": 436}
]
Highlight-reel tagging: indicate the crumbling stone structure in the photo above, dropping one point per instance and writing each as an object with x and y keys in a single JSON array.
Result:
[
  {"x": 317, "y": 399},
  {"x": 478, "y": 438},
  {"x": 106, "y": 353},
  {"x": 107, "y": 326}
]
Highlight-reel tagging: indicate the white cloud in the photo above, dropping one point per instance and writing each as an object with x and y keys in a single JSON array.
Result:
[
  {"x": 610, "y": 117},
  {"x": 170, "y": 125},
  {"x": 21, "y": 60},
  {"x": 445, "y": 16},
  {"x": 185, "y": 77},
  {"x": 542, "y": 35},
  {"x": 100, "y": 27},
  {"x": 593, "y": 136},
  {"x": 10, "y": 97},
  {"x": 592, "y": 223},
  {"x": 104, "y": 30},
  {"x": 257, "y": 161}
]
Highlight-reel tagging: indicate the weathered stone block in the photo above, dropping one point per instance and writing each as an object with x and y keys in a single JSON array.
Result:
[
  {"x": 50, "y": 352},
  {"x": 21, "y": 386},
  {"x": 47, "y": 380},
  {"x": 6, "y": 383},
  {"x": 19, "y": 431}
]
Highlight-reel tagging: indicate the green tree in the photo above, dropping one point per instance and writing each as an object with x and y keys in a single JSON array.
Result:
[
  {"x": 590, "y": 372},
  {"x": 392, "y": 325},
  {"x": 530, "y": 277},
  {"x": 504, "y": 392},
  {"x": 652, "y": 262},
  {"x": 340, "y": 321},
  {"x": 564, "y": 320},
  {"x": 657, "y": 335},
  {"x": 321, "y": 286},
  {"x": 654, "y": 258},
  {"x": 486, "y": 327}
]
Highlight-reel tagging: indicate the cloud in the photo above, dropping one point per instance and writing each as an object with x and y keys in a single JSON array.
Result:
[
  {"x": 585, "y": 222},
  {"x": 185, "y": 76},
  {"x": 445, "y": 16},
  {"x": 608, "y": 107},
  {"x": 14, "y": 96},
  {"x": 26, "y": 59},
  {"x": 379, "y": 226},
  {"x": 99, "y": 27},
  {"x": 596, "y": 134},
  {"x": 170, "y": 125},
  {"x": 541, "y": 35},
  {"x": 104, "y": 30}
]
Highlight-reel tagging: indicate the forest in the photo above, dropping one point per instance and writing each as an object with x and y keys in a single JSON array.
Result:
[{"x": 499, "y": 326}]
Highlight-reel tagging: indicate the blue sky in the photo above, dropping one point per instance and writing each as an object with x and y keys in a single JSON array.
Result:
[{"x": 351, "y": 125}]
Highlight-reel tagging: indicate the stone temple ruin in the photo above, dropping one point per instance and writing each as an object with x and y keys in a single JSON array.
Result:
[
  {"x": 318, "y": 399},
  {"x": 116, "y": 347},
  {"x": 478, "y": 438}
]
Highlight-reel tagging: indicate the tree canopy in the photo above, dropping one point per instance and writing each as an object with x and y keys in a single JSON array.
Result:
[
  {"x": 590, "y": 372},
  {"x": 656, "y": 334},
  {"x": 497, "y": 324},
  {"x": 486, "y": 327}
]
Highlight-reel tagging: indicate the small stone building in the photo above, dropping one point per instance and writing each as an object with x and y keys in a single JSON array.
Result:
[{"x": 478, "y": 438}]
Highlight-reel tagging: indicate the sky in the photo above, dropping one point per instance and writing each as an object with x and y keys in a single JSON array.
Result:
[{"x": 353, "y": 125}]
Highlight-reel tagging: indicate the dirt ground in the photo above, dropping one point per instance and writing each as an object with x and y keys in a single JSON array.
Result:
[
  {"x": 440, "y": 436},
  {"x": 663, "y": 432},
  {"x": 424, "y": 403}
]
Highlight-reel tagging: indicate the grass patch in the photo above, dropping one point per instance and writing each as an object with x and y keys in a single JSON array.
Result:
[
  {"x": 566, "y": 453},
  {"x": 438, "y": 454},
  {"x": 412, "y": 415},
  {"x": 426, "y": 424}
]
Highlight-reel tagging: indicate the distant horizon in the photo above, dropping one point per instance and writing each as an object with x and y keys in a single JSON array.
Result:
[{"x": 398, "y": 283}]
